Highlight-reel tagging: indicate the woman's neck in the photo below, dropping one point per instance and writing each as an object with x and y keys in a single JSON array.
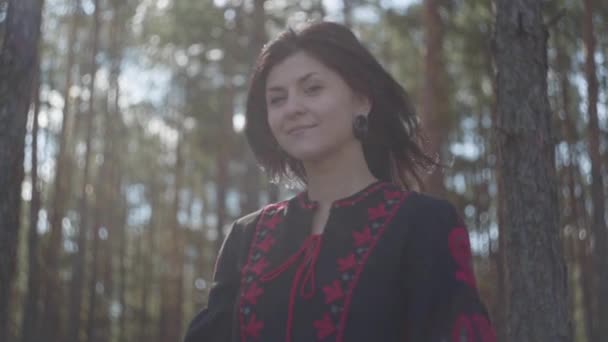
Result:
[{"x": 337, "y": 177}]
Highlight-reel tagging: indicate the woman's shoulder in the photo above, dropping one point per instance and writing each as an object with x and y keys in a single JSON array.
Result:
[
  {"x": 428, "y": 214},
  {"x": 248, "y": 222},
  {"x": 429, "y": 207}
]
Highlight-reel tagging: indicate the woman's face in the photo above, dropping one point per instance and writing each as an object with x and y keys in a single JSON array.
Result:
[{"x": 311, "y": 108}]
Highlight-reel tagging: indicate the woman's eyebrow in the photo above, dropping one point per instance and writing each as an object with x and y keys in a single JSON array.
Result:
[{"x": 300, "y": 80}]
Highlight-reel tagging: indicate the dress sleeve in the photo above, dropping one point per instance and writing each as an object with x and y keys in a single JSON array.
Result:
[
  {"x": 443, "y": 303},
  {"x": 214, "y": 322}
]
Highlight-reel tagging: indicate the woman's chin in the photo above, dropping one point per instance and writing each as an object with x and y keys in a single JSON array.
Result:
[{"x": 308, "y": 155}]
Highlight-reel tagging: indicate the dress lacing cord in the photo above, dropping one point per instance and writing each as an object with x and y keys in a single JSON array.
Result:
[{"x": 307, "y": 255}]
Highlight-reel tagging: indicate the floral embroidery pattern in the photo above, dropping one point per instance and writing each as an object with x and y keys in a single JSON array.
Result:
[
  {"x": 339, "y": 292},
  {"x": 263, "y": 240}
]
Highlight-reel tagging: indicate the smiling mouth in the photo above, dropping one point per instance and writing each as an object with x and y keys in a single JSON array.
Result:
[{"x": 299, "y": 129}]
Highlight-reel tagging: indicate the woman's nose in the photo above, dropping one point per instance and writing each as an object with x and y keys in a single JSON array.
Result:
[{"x": 293, "y": 106}]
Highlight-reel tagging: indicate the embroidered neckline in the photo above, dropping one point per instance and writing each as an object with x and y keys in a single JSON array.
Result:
[{"x": 306, "y": 203}]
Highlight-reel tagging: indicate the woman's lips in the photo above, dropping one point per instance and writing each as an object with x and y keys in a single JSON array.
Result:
[{"x": 298, "y": 129}]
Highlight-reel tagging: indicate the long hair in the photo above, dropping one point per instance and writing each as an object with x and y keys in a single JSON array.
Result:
[{"x": 391, "y": 148}]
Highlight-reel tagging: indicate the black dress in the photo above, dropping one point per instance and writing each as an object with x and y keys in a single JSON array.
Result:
[{"x": 390, "y": 266}]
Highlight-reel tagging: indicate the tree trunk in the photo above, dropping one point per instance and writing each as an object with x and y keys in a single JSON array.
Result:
[
  {"x": 53, "y": 289},
  {"x": 347, "y": 13},
  {"x": 250, "y": 183},
  {"x": 258, "y": 40},
  {"x": 434, "y": 113},
  {"x": 147, "y": 273},
  {"x": 18, "y": 65},
  {"x": 176, "y": 258},
  {"x": 29, "y": 324},
  {"x": 78, "y": 259},
  {"x": 563, "y": 62},
  {"x": 498, "y": 256},
  {"x": 92, "y": 291},
  {"x": 598, "y": 223},
  {"x": 224, "y": 150},
  {"x": 538, "y": 307}
]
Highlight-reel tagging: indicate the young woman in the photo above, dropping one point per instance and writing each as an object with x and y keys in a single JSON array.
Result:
[{"x": 357, "y": 256}]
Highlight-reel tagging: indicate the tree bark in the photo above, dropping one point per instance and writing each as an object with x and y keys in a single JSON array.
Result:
[
  {"x": 537, "y": 289},
  {"x": 598, "y": 226},
  {"x": 18, "y": 65},
  {"x": 563, "y": 62},
  {"x": 224, "y": 150},
  {"x": 53, "y": 289},
  {"x": 29, "y": 325},
  {"x": 347, "y": 13},
  {"x": 78, "y": 259},
  {"x": 434, "y": 113},
  {"x": 258, "y": 40},
  {"x": 176, "y": 256}
]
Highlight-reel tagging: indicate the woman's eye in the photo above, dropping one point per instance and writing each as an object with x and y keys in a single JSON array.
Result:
[
  {"x": 275, "y": 100},
  {"x": 313, "y": 89}
]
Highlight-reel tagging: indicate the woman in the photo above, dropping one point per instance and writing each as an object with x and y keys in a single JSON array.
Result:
[{"x": 356, "y": 256}]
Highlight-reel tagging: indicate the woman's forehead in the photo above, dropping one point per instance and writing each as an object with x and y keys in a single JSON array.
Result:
[{"x": 296, "y": 68}]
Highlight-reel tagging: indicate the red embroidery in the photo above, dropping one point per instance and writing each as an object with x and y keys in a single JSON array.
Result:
[
  {"x": 338, "y": 294},
  {"x": 270, "y": 217},
  {"x": 460, "y": 250},
  {"x": 347, "y": 263},
  {"x": 273, "y": 221},
  {"x": 252, "y": 294},
  {"x": 486, "y": 331},
  {"x": 325, "y": 327},
  {"x": 376, "y": 213},
  {"x": 465, "y": 326},
  {"x": 266, "y": 244},
  {"x": 333, "y": 292},
  {"x": 362, "y": 238},
  {"x": 392, "y": 194},
  {"x": 259, "y": 266},
  {"x": 253, "y": 327},
  {"x": 462, "y": 328}
]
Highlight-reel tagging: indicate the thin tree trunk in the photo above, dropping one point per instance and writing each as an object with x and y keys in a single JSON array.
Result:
[
  {"x": 53, "y": 289},
  {"x": 434, "y": 113},
  {"x": 598, "y": 227},
  {"x": 176, "y": 258},
  {"x": 78, "y": 260},
  {"x": 584, "y": 251},
  {"x": 87, "y": 187},
  {"x": 148, "y": 275},
  {"x": 142, "y": 281},
  {"x": 109, "y": 217},
  {"x": 498, "y": 256},
  {"x": 122, "y": 245},
  {"x": 347, "y": 13},
  {"x": 29, "y": 324},
  {"x": 250, "y": 183},
  {"x": 223, "y": 158},
  {"x": 94, "y": 269},
  {"x": 563, "y": 62},
  {"x": 257, "y": 41},
  {"x": 18, "y": 65},
  {"x": 538, "y": 308}
]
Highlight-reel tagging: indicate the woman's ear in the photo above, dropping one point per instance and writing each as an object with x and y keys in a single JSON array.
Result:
[{"x": 363, "y": 104}]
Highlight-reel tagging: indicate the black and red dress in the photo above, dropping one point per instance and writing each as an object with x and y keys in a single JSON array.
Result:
[{"x": 390, "y": 266}]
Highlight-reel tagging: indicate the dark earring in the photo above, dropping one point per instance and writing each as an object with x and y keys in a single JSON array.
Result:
[{"x": 360, "y": 127}]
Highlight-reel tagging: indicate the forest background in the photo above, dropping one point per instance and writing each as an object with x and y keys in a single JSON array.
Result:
[{"x": 136, "y": 163}]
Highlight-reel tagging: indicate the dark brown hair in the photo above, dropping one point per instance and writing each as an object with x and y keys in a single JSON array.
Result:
[{"x": 391, "y": 147}]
